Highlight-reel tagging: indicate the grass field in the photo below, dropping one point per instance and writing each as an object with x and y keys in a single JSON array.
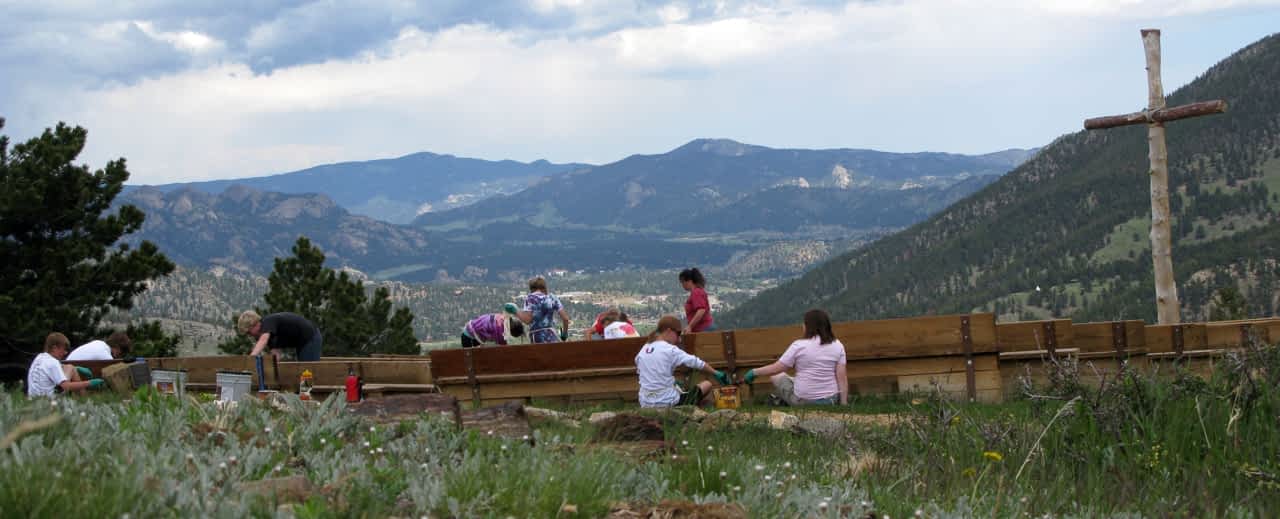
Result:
[{"x": 1173, "y": 447}]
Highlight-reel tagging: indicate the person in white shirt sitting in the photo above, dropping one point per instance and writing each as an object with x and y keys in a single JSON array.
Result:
[
  {"x": 115, "y": 347},
  {"x": 48, "y": 374},
  {"x": 657, "y": 361}
]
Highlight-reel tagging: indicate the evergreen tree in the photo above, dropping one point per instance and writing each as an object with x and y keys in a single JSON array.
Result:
[
  {"x": 149, "y": 340},
  {"x": 352, "y": 323},
  {"x": 62, "y": 263},
  {"x": 1228, "y": 305}
]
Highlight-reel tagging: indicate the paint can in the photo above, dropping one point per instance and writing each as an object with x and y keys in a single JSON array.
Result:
[
  {"x": 233, "y": 385},
  {"x": 726, "y": 397},
  {"x": 170, "y": 381}
]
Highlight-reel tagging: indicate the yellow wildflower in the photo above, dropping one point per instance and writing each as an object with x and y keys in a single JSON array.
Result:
[
  {"x": 969, "y": 472},
  {"x": 993, "y": 456}
]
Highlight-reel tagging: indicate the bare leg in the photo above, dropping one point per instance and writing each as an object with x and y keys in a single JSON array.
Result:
[
  {"x": 705, "y": 387},
  {"x": 70, "y": 372}
]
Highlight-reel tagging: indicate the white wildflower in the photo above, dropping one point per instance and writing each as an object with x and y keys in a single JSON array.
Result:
[
  {"x": 723, "y": 474},
  {"x": 823, "y": 506},
  {"x": 373, "y": 429},
  {"x": 266, "y": 430},
  {"x": 759, "y": 467},
  {"x": 919, "y": 513},
  {"x": 768, "y": 477},
  {"x": 786, "y": 465},
  {"x": 737, "y": 488},
  {"x": 684, "y": 443},
  {"x": 380, "y": 450},
  {"x": 222, "y": 465},
  {"x": 366, "y": 444}
]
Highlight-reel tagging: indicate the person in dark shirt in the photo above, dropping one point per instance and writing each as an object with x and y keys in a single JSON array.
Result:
[{"x": 280, "y": 331}]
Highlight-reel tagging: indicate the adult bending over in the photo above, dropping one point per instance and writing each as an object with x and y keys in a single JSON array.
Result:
[
  {"x": 48, "y": 374},
  {"x": 115, "y": 347},
  {"x": 657, "y": 361},
  {"x": 280, "y": 331},
  {"x": 540, "y": 311},
  {"x": 697, "y": 308},
  {"x": 498, "y": 328},
  {"x": 819, "y": 361}
]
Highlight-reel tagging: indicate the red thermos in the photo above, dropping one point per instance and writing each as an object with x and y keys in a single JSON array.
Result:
[{"x": 353, "y": 385}]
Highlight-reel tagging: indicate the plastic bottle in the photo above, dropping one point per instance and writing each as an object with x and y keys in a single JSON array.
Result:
[
  {"x": 304, "y": 385},
  {"x": 353, "y": 385}
]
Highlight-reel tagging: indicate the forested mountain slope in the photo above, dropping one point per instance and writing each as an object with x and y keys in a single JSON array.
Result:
[{"x": 1066, "y": 232}]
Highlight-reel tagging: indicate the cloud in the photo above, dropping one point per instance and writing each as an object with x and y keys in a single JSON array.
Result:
[{"x": 279, "y": 87}]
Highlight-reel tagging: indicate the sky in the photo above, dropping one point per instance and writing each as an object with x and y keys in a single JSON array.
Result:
[{"x": 211, "y": 89}]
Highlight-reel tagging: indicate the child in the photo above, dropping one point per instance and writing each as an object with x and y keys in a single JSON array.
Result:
[
  {"x": 48, "y": 374},
  {"x": 498, "y": 329},
  {"x": 540, "y": 311},
  {"x": 659, "y": 358},
  {"x": 617, "y": 326}
]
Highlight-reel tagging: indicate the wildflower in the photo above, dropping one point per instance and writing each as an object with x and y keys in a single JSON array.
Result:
[
  {"x": 266, "y": 430},
  {"x": 83, "y": 414},
  {"x": 366, "y": 444},
  {"x": 737, "y": 488},
  {"x": 1023, "y": 500},
  {"x": 232, "y": 460},
  {"x": 379, "y": 450},
  {"x": 490, "y": 433},
  {"x": 786, "y": 465},
  {"x": 53, "y": 403},
  {"x": 793, "y": 477},
  {"x": 371, "y": 452},
  {"x": 919, "y": 513},
  {"x": 710, "y": 448},
  {"x": 779, "y": 494},
  {"x": 759, "y": 467},
  {"x": 504, "y": 446},
  {"x": 322, "y": 441},
  {"x": 684, "y": 443},
  {"x": 969, "y": 472},
  {"x": 768, "y": 477},
  {"x": 222, "y": 465},
  {"x": 823, "y": 506},
  {"x": 673, "y": 456},
  {"x": 993, "y": 456},
  {"x": 190, "y": 456},
  {"x": 525, "y": 437},
  {"x": 723, "y": 474},
  {"x": 373, "y": 429},
  {"x": 277, "y": 468}
]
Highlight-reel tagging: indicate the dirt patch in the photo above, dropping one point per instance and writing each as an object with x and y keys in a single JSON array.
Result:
[
  {"x": 628, "y": 428},
  {"x": 677, "y": 509}
]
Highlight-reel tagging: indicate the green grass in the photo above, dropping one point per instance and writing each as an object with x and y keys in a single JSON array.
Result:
[
  {"x": 1142, "y": 446},
  {"x": 1131, "y": 237}
]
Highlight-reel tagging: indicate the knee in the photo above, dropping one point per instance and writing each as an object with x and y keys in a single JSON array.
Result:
[
  {"x": 705, "y": 386},
  {"x": 70, "y": 372}
]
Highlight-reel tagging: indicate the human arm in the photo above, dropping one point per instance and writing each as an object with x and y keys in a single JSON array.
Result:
[
  {"x": 842, "y": 376},
  {"x": 77, "y": 385},
  {"x": 263, "y": 339},
  {"x": 693, "y": 321},
  {"x": 564, "y": 320},
  {"x": 765, "y": 371}
]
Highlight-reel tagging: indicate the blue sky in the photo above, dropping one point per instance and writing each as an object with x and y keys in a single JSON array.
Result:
[{"x": 205, "y": 89}]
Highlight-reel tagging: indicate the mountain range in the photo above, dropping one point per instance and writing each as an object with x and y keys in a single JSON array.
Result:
[
  {"x": 1065, "y": 234},
  {"x": 397, "y": 190},
  {"x": 719, "y": 198}
]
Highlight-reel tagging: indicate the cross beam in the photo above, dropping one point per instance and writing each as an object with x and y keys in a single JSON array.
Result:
[{"x": 1154, "y": 117}]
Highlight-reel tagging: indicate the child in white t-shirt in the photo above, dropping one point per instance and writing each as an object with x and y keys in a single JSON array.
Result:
[{"x": 48, "y": 374}]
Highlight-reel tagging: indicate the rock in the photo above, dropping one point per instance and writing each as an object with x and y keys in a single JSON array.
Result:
[
  {"x": 781, "y": 420},
  {"x": 603, "y": 416},
  {"x": 723, "y": 419},
  {"x": 822, "y": 426},
  {"x": 698, "y": 414},
  {"x": 549, "y": 414},
  {"x": 292, "y": 489}
]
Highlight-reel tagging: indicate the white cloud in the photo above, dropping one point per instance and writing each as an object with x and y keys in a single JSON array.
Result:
[{"x": 906, "y": 75}]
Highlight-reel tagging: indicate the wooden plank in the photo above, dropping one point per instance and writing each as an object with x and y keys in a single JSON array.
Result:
[
  {"x": 1030, "y": 335},
  {"x": 541, "y": 375},
  {"x": 988, "y": 383},
  {"x": 1100, "y": 336},
  {"x": 550, "y": 388},
  {"x": 1163, "y": 337},
  {"x": 327, "y": 372},
  {"x": 708, "y": 346},
  {"x": 1037, "y": 355},
  {"x": 1233, "y": 334},
  {"x": 916, "y": 337},
  {"x": 558, "y": 356}
]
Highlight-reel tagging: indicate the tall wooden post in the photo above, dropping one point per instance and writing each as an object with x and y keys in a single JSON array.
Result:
[
  {"x": 1161, "y": 236},
  {"x": 1155, "y": 116}
]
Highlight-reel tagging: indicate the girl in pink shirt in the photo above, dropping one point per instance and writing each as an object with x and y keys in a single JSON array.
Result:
[{"x": 819, "y": 361}]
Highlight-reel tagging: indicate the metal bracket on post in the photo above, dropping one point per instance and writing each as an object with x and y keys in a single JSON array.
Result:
[
  {"x": 730, "y": 352},
  {"x": 970, "y": 378},
  {"x": 1178, "y": 345},
  {"x": 1050, "y": 338},
  {"x": 471, "y": 376},
  {"x": 1244, "y": 335},
  {"x": 1120, "y": 342}
]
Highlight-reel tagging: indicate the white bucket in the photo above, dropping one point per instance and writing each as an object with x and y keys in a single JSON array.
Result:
[
  {"x": 170, "y": 381},
  {"x": 234, "y": 385}
]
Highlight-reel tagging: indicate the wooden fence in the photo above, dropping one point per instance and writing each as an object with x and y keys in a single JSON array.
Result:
[{"x": 967, "y": 356}]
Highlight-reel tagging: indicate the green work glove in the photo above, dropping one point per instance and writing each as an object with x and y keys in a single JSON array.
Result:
[
  {"x": 722, "y": 378},
  {"x": 84, "y": 372},
  {"x": 564, "y": 336},
  {"x": 511, "y": 308},
  {"x": 95, "y": 383},
  {"x": 750, "y": 376}
]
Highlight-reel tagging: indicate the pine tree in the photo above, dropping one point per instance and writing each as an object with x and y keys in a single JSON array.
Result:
[
  {"x": 63, "y": 265},
  {"x": 352, "y": 323}
]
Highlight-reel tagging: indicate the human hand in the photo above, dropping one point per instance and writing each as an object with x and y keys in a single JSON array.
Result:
[
  {"x": 84, "y": 372},
  {"x": 96, "y": 383},
  {"x": 750, "y": 376},
  {"x": 722, "y": 378},
  {"x": 686, "y": 330}
]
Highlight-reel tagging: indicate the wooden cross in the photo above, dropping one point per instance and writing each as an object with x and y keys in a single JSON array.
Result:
[{"x": 1154, "y": 117}]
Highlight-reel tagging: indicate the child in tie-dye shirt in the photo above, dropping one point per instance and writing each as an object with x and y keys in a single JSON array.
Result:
[{"x": 540, "y": 311}]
